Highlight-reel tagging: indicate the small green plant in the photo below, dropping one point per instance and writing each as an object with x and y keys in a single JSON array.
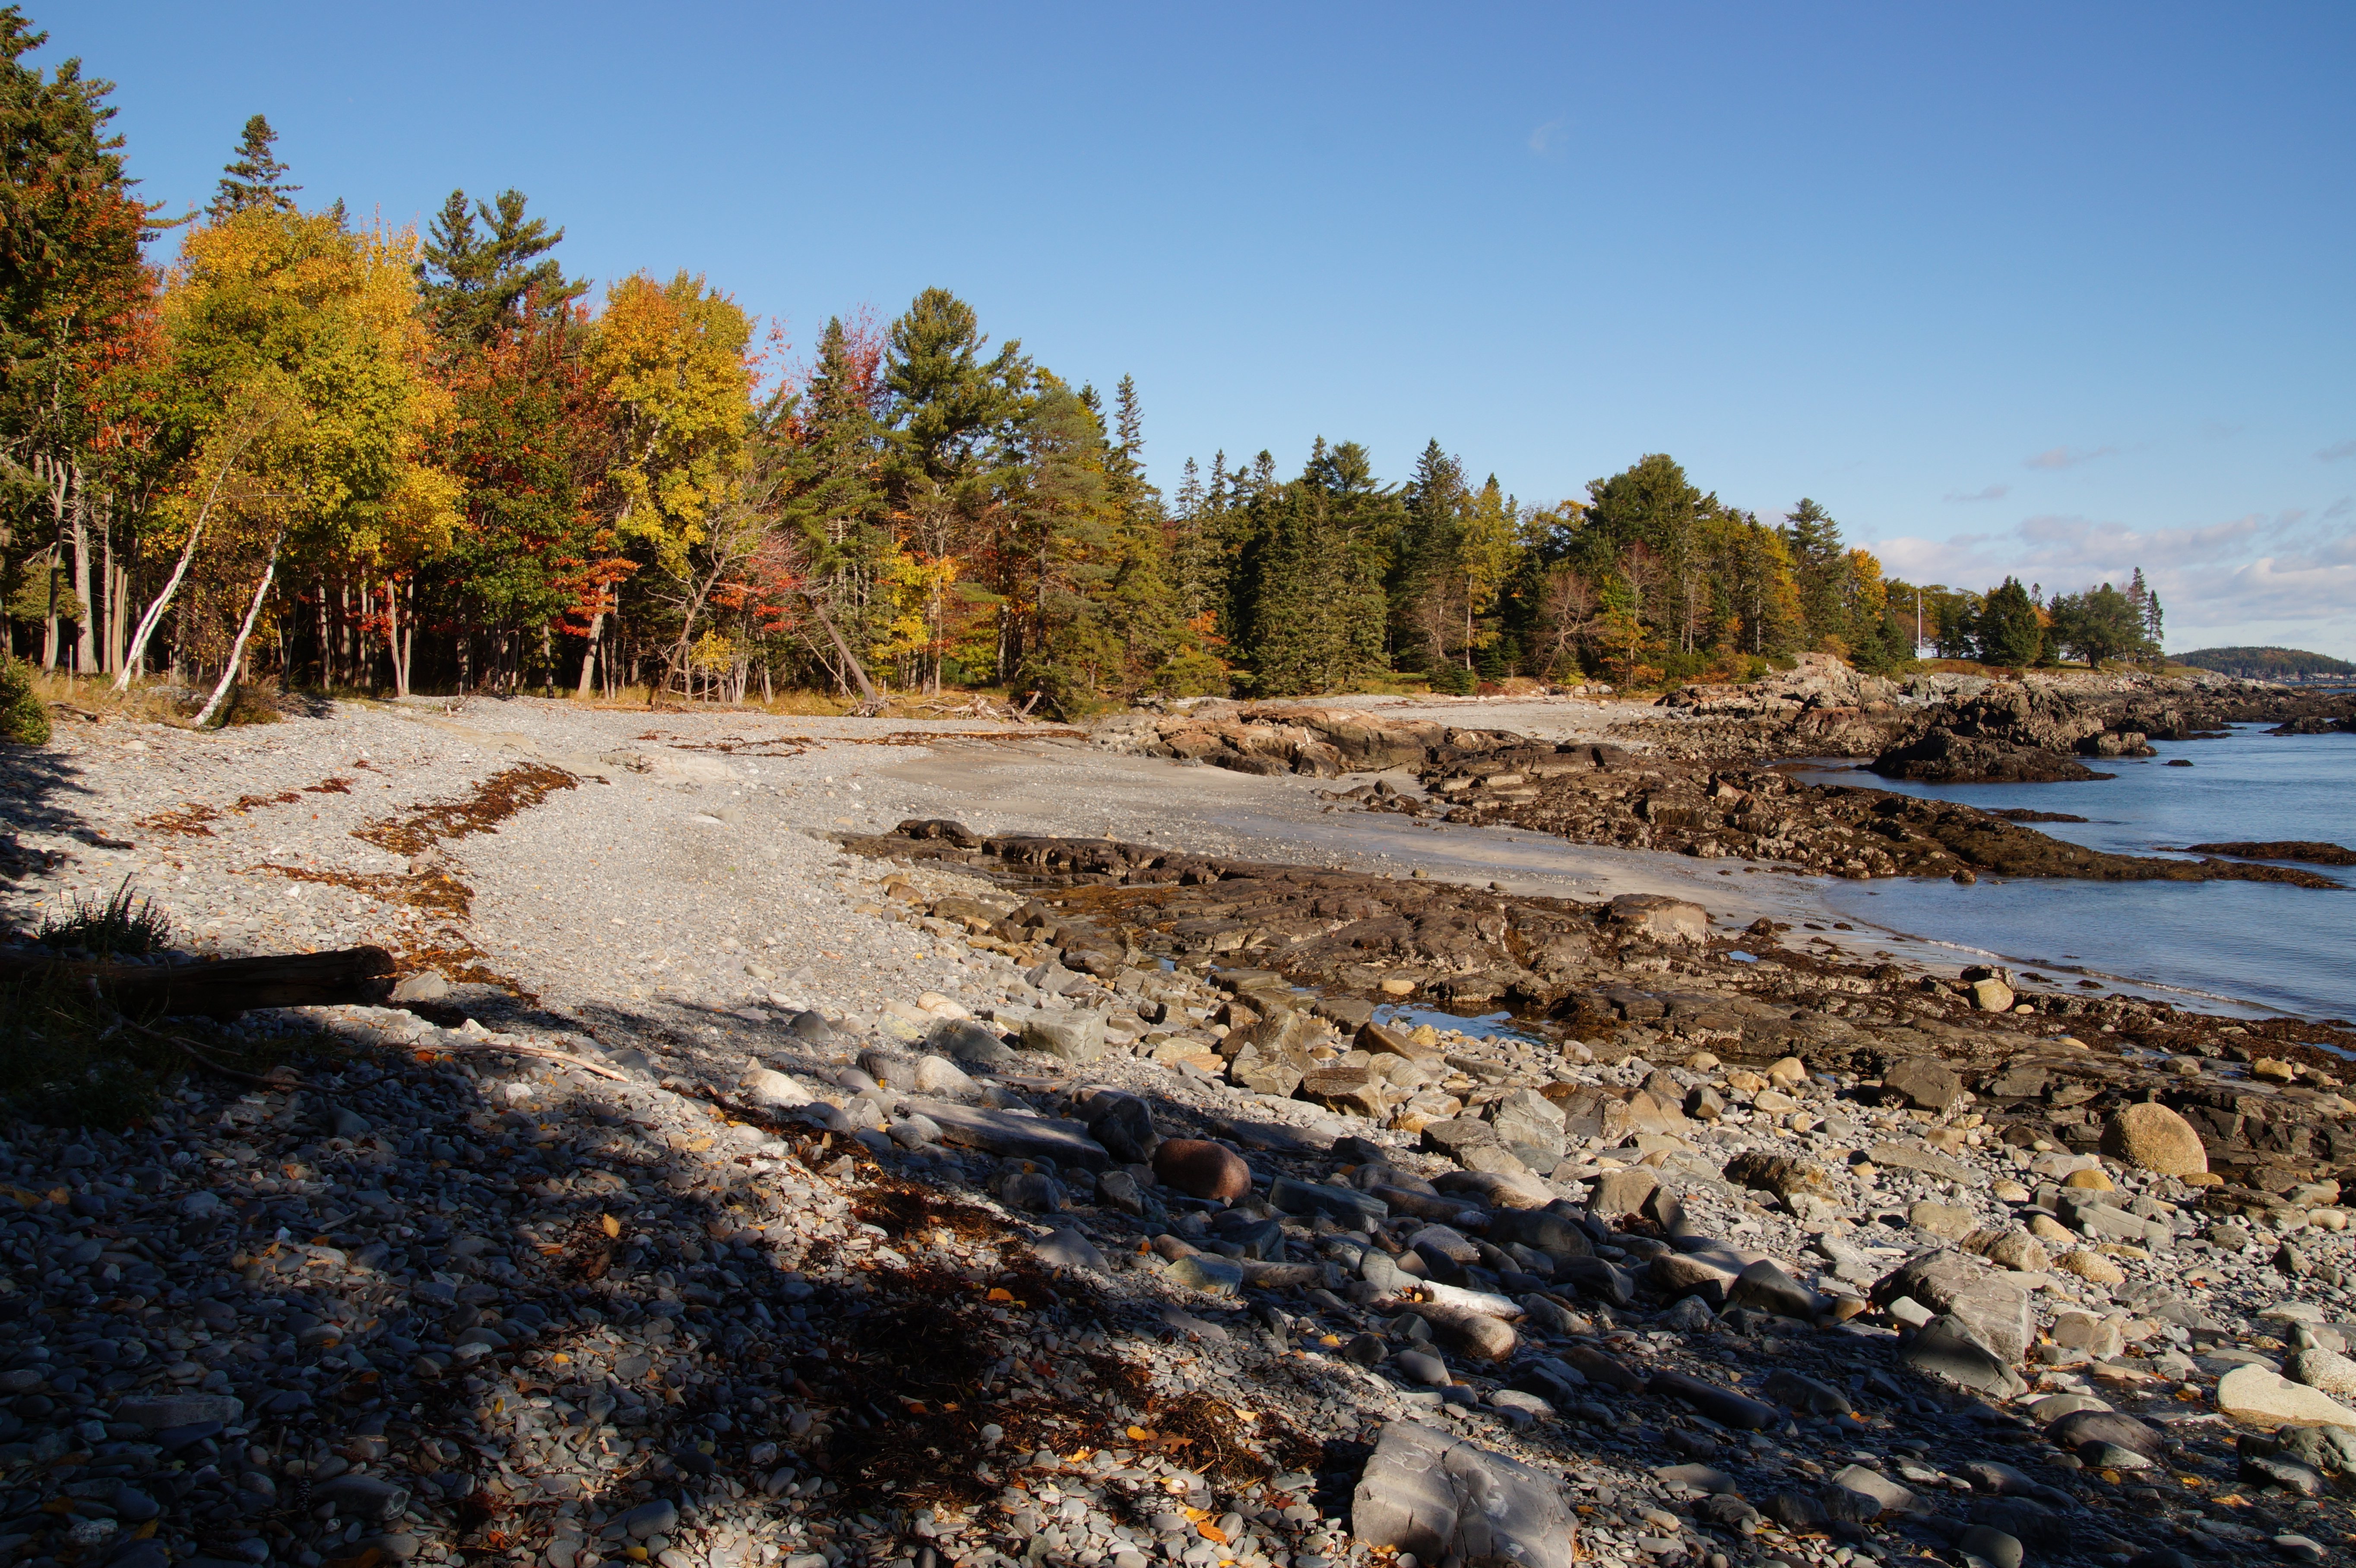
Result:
[
  {"x": 122, "y": 927},
  {"x": 67, "y": 1059},
  {"x": 24, "y": 717},
  {"x": 1451, "y": 680}
]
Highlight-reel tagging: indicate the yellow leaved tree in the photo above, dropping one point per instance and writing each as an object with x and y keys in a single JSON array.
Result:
[
  {"x": 670, "y": 364},
  {"x": 295, "y": 393}
]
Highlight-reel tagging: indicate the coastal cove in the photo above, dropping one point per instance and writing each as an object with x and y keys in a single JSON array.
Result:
[{"x": 2275, "y": 947}]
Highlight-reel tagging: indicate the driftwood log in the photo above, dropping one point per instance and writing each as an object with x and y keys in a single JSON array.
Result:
[{"x": 218, "y": 988}]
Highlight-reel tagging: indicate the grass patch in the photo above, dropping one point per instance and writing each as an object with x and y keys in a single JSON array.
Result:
[
  {"x": 123, "y": 925},
  {"x": 70, "y": 1058}
]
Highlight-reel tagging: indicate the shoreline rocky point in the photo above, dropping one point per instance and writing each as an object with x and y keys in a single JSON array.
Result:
[{"x": 754, "y": 1163}]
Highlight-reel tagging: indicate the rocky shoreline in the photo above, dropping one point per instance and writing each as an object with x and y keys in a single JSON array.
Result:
[
  {"x": 1666, "y": 792},
  {"x": 738, "y": 1178}
]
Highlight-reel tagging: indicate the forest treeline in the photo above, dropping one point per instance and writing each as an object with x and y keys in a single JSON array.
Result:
[
  {"x": 2268, "y": 663},
  {"x": 350, "y": 456}
]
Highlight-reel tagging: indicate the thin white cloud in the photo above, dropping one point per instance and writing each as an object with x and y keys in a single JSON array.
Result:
[
  {"x": 2337, "y": 451},
  {"x": 1993, "y": 492},
  {"x": 2054, "y": 459},
  {"x": 1547, "y": 138},
  {"x": 2287, "y": 577}
]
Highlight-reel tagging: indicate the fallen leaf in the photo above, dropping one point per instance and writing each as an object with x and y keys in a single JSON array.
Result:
[
  {"x": 1213, "y": 1533},
  {"x": 610, "y": 1225}
]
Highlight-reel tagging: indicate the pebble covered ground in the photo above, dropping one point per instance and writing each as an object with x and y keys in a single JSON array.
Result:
[{"x": 720, "y": 1201}]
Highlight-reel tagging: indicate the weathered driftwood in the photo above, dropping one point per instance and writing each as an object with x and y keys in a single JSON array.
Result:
[{"x": 218, "y": 988}]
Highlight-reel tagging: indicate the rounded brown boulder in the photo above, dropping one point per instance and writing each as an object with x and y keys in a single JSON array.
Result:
[
  {"x": 1200, "y": 1168},
  {"x": 2153, "y": 1137}
]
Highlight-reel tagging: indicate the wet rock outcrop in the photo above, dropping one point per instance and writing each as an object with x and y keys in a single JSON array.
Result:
[
  {"x": 1278, "y": 738},
  {"x": 1601, "y": 794}
]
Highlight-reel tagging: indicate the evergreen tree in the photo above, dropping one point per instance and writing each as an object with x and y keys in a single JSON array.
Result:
[
  {"x": 1315, "y": 606},
  {"x": 1651, "y": 503},
  {"x": 2009, "y": 631},
  {"x": 255, "y": 177},
  {"x": 953, "y": 454},
  {"x": 2101, "y": 624},
  {"x": 474, "y": 281},
  {"x": 2147, "y": 610},
  {"x": 1424, "y": 568},
  {"x": 947, "y": 400},
  {"x": 1139, "y": 502},
  {"x": 74, "y": 292},
  {"x": 1819, "y": 569}
]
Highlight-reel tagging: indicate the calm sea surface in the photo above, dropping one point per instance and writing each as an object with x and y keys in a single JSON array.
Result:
[{"x": 2282, "y": 947}]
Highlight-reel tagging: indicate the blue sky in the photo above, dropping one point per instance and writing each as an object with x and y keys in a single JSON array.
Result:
[{"x": 2057, "y": 289}]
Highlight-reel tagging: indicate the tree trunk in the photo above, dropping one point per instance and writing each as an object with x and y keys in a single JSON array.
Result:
[
  {"x": 221, "y": 988},
  {"x": 408, "y": 638},
  {"x": 86, "y": 629},
  {"x": 237, "y": 650},
  {"x": 850, "y": 661},
  {"x": 118, "y": 606},
  {"x": 398, "y": 636},
  {"x": 138, "y": 653},
  {"x": 589, "y": 654}
]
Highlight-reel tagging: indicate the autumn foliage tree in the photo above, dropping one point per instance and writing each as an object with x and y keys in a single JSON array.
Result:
[{"x": 360, "y": 458}]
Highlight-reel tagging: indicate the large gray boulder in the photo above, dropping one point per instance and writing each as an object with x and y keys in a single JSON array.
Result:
[
  {"x": 1066, "y": 1033},
  {"x": 1525, "y": 1118},
  {"x": 973, "y": 1044},
  {"x": 1660, "y": 918},
  {"x": 1123, "y": 1123},
  {"x": 1446, "y": 1500},
  {"x": 1962, "y": 1287},
  {"x": 1955, "y": 1351},
  {"x": 1065, "y": 1142},
  {"x": 1927, "y": 1084}
]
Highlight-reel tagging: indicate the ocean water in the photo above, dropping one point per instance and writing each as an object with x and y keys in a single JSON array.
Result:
[{"x": 2283, "y": 948}]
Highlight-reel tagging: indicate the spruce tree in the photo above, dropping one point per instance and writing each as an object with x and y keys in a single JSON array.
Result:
[
  {"x": 473, "y": 282},
  {"x": 835, "y": 490},
  {"x": 1819, "y": 565},
  {"x": 2008, "y": 629},
  {"x": 255, "y": 177}
]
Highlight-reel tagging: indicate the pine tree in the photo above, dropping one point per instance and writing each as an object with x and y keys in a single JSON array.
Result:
[
  {"x": 1819, "y": 569},
  {"x": 947, "y": 400},
  {"x": 1315, "y": 602},
  {"x": 2008, "y": 629},
  {"x": 1139, "y": 502},
  {"x": 1424, "y": 568},
  {"x": 255, "y": 177},
  {"x": 474, "y": 282},
  {"x": 835, "y": 496}
]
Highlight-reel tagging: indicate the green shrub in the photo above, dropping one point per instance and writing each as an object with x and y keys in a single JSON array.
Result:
[
  {"x": 118, "y": 926},
  {"x": 24, "y": 717},
  {"x": 70, "y": 1059},
  {"x": 1451, "y": 680},
  {"x": 67, "y": 1060}
]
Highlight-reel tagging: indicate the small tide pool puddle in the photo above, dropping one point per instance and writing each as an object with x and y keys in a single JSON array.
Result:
[{"x": 1484, "y": 1026}]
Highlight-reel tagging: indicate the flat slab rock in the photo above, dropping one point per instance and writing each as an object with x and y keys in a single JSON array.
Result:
[
  {"x": 1447, "y": 1500},
  {"x": 1009, "y": 1135},
  {"x": 2267, "y": 1399}
]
